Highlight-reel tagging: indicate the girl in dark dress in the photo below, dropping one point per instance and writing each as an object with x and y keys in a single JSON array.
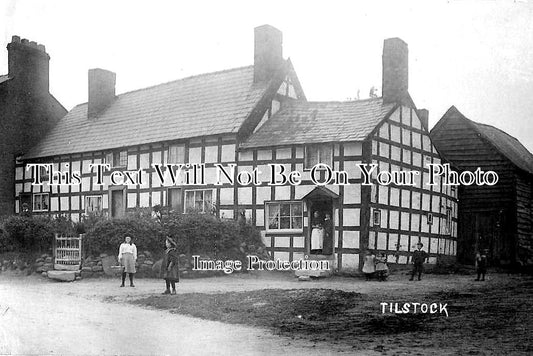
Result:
[{"x": 170, "y": 266}]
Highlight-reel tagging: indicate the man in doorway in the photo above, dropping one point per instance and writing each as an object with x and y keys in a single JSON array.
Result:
[
  {"x": 327, "y": 248},
  {"x": 419, "y": 257}
]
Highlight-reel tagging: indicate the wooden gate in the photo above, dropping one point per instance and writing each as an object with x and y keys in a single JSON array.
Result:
[{"x": 67, "y": 252}]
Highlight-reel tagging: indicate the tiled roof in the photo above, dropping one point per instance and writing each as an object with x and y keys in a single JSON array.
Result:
[
  {"x": 314, "y": 122},
  {"x": 207, "y": 104},
  {"x": 3, "y": 78}
]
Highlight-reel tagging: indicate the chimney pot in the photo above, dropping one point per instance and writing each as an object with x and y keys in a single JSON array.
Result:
[
  {"x": 268, "y": 52},
  {"x": 101, "y": 91},
  {"x": 29, "y": 64},
  {"x": 395, "y": 78}
]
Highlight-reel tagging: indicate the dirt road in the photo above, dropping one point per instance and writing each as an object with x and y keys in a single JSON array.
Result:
[
  {"x": 40, "y": 317},
  {"x": 92, "y": 317}
]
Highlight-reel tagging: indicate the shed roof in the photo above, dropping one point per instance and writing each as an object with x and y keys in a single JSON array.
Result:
[
  {"x": 206, "y": 104},
  {"x": 303, "y": 122},
  {"x": 506, "y": 144}
]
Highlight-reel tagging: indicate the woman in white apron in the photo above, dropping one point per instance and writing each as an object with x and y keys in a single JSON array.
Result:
[{"x": 317, "y": 234}]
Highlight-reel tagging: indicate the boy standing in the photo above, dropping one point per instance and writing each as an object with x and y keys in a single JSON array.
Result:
[
  {"x": 481, "y": 265},
  {"x": 419, "y": 257}
]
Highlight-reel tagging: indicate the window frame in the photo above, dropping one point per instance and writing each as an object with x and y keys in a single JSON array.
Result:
[
  {"x": 319, "y": 146},
  {"x": 113, "y": 158},
  {"x": 34, "y": 196},
  {"x": 268, "y": 204},
  {"x": 376, "y": 213},
  {"x": 213, "y": 201},
  {"x": 168, "y": 153},
  {"x": 87, "y": 197}
]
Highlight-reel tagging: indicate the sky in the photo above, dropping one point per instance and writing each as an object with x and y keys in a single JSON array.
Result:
[{"x": 476, "y": 55}]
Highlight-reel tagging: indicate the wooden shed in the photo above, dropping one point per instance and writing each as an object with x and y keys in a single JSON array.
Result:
[{"x": 498, "y": 217}]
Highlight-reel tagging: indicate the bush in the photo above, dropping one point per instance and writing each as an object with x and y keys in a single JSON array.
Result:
[
  {"x": 27, "y": 234},
  {"x": 206, "y": 235},
  {"x": 106, "y": 235}
]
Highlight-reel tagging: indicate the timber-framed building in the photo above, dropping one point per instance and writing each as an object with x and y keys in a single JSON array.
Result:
[{"x": 252, "y": 117}]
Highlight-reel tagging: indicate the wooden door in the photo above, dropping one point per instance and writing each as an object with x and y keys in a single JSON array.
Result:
[
  {"x": 117, "y": 203},
  {"x": 175, "y": 200}
]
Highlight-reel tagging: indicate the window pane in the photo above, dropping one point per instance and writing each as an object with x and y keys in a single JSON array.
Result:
[
  {"x": 325, "y": 154},
  {"x": 93, "y": 204},
  {"x": 189, "y": 200},
  {"x": 199, "y": 201},
  {"x": 273, "y": 216},
  {"x": 296, "y": 223},
  {"x": 285, "y": 210},
  {"x": 109, "y": 159},
  {"x": 208, "y": 201},
  {"x": 296, "y": 209},
  {"x": 377, "y": 217},
  {"x": 172, "y": 154},
  {"x": 123, "y": 159},
  {"x": 285, "y": 223},
  {"x": 311, "y": 156},
  {"x": 176, "y": 154}
]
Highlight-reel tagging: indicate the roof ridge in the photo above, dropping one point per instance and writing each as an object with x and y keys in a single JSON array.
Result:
[
  {"x": 174, "y": 81},
  {"x": 494, "y": 143},
  {"x": 187, "y": 78},
  {"x": 500, "y": 130},
  {"x": 342, "y": 101}
]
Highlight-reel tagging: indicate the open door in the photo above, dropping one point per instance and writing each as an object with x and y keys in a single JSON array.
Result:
[{"x": 321, "y": 225}]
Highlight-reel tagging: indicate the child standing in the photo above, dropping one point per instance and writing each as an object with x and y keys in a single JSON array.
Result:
[
  {"x": 170, "y": 266},
  {"x": 419, "y": 257},
  {"x": 481, "y": 265},
  {"x": 369, "y": 266},
  {"x": 382, "y": 270}
]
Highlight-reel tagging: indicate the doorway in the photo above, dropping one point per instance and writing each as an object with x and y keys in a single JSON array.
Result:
[
  {"x": 175, "y": 199},
  {"x": 320, "y": 207},
  {"x": 117, "y": 203}
]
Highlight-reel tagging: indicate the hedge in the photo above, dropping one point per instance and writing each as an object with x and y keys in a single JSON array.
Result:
[
  {"x": 31, "y": 234},
  {"x": 200, "y": 234}
]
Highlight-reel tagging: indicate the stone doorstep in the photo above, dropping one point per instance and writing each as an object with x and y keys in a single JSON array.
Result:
[
  {"x": 65, "y": 276},
  {"x": 320, "y": 273},
  {"x": 310, "y": 273}
]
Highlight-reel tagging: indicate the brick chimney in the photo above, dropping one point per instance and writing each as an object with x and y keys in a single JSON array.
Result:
[
  {"x": 101, "y": 91},
  {"x": 268, "y": 52},
  {"x": 28, "y": 65},
  {"x": 395, "y": 71},
  {"x": 423, "y": 115}
]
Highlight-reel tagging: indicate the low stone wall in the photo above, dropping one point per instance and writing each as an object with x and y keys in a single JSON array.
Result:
[
  {"x": 148, "y": 265},
  {"x": 43, "y": 264},
  {"x": 99, "y": 266}
]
